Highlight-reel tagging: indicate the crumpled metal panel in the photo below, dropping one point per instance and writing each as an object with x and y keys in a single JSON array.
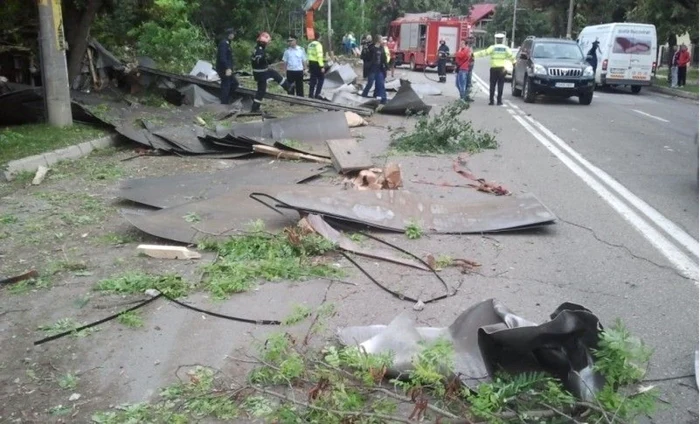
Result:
[
  {"x": 355, "y": 100},
  {"x": 405, "y": 101},
  {"x": 420, "y": 89},
  {"x": 174, "y": 190},
  {"x": 339, "y": 75},
  {"x": 488, "y": 337},
  {"x": 394, "y": 210},
  {"x": 315, "y": 127},
  {"x": 218, "y": 217},
  {"x": 195, "y": 95},
  {"x": 322, "y": 228}
]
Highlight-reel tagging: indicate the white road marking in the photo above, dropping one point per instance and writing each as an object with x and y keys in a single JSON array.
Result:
[
  {"x": 650, "y": 116},
  {"x": 680, "y": 260}
]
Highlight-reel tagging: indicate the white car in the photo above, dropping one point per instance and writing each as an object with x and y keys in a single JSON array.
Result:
[{"x": 509, "y": 65}]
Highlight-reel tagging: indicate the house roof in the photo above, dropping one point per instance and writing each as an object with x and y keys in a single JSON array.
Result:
[{"x": 480, "y": 11}]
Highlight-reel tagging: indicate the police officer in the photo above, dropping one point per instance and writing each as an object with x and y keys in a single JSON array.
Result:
[
  {"x": 443, "y": 54},
  {"x": 262, "y": 71},
  {"x": 498, "y": 53},
  {"x": 224, "y": 67},
  {"x": 314, "y": 53}
]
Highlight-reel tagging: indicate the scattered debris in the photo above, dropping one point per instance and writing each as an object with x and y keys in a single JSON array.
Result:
[
  {"x": 16, "y": 279},
  {"x": 74, "y": 397},
  {"x": 278, "y": 153},
  {"x": 482, "y": 185},
  {"x": 168, "y": 252},
  {"x": 392, "y": 176},
  {"x": 355, "y": 120},
  {"x": 392, "y": 210},
  {"x": 348, "y": 156},
  {"x": 489, "y": 337},
  {"x": 40, "y": 175},
  {"x": 405, "y": 102},
  {"x": 318, "y": 225}
]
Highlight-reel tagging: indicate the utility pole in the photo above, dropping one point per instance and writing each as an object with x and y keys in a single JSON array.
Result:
[
  {"x": 330, "y": 29},
  {"x": 570, "y": 20},
  {"x": 512, "y": 33},
  {"x": 54, "y": 70}
]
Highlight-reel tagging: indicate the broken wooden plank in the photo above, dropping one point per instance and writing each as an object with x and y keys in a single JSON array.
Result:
[
  {"x": 273, "y": 151},
  {"x": 348, "y": 156},
  {"x": 40, "y": 175},
  {"x": 168, "y": 252}
]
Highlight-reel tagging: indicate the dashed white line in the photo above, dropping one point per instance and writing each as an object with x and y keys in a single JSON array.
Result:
[
  {"x": 650, "y": 115},
  {"x": 576, "y": 163}
]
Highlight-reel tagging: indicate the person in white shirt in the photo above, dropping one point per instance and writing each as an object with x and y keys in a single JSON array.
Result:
[{"x": 294, "y": 59}]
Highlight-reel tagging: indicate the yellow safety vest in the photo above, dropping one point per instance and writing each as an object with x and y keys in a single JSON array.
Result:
[
  {"x": 315, "y": 52},
  {"x": 499, "y": 54}
]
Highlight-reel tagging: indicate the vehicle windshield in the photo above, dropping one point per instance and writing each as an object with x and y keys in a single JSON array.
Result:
[{"x": 564, "y": 51}]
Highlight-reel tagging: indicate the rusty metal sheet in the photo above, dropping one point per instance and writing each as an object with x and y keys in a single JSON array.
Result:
[
  {"x": 322, "y": 228},
  {"x": 174, "y": 190},
  {"x": 394, "y": 210},
  {"x": 217, "y": 218},
  {"x": 405, "y": 101}
]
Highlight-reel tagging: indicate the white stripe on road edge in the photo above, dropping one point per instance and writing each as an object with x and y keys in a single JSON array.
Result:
[
  {"x": 668, "y": 226},
  {"x": 682, "y": 262},
  {"x": 650, "y": 116}
]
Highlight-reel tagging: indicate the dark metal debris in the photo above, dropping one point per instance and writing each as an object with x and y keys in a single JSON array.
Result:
[
  {"x": 406, "y": 101},
  {"x": 175, "y": 190},
  {"x": 394, "y": 210},
  {"x": 488, "y": 337}
]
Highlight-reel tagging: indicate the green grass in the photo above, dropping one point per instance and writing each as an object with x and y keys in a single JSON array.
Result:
[
  {"x": 691, "y": 75},
  {"x": 138, "y": 283},
  {"x": 131, "y": 319},
  {"x": 688, "y": 88},
  {"x": 17, "y": 142}
]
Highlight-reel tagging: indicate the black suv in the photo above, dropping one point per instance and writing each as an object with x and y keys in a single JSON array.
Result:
[{"x": 554, "y": 67}]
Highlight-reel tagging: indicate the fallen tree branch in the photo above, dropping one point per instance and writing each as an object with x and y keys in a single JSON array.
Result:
[{"x": 383, "y": 417}]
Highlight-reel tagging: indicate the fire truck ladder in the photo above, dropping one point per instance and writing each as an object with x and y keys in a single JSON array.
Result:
[{"x": 463, "y": 30}]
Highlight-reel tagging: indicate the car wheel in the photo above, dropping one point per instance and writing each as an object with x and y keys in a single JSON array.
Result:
[
  {"x": 636, "y": 89},
  {"x": 516, "y": 92},
  {"x": 528, "y": 94},
  {"x": 413, "y": 63},
  {"x": 585, "y": 99}
]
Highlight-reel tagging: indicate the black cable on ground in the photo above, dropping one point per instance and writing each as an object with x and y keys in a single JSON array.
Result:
[
  {"x": 218, "y": 315},
  {"x": 96, "y": 323},
  {"x": 400, "y": 296}
]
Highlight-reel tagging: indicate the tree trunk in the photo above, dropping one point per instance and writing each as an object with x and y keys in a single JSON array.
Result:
[{"x": 77, "y": 35}]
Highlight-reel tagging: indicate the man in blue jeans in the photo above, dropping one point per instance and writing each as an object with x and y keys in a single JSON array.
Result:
[
  {"x": 377, "y": 68},
  {"x": 462, "y": 59}
]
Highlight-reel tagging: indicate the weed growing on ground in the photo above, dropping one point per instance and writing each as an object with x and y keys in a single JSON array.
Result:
[
  {"x": 443, "y": 261},
  {"x": 299, "y": 314},
  {"x": 66, "y": 324},
  {"x": 358, "y": 238},
  {"x": 413, "y": 231},
  {"x": 192, "y": 218},
  {"x": 245, "y": 259},
  {"x": 68, "y": 381},
  {"x": 445, "y": 132},
  {"x": 435, "y": 360},
  {"x": 25, "y": 286},
  {"x": 284, "y": 364},
  {"x": 137, "y": 283},
  {"x": 131, "y": 319},
  {"x": 60, "y": 410},
  {"x": 7, "y": 219}
]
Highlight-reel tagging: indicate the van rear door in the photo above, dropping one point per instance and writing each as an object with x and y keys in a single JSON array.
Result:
[{"x": 632, "y": 54}]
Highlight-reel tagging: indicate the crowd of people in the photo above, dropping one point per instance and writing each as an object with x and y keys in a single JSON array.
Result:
[{"x": 378, "y": 56}]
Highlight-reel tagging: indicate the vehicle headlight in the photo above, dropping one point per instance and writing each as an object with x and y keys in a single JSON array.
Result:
[
  {"x": 588, "y": 72},
  {"x": 539, "y": 70}
]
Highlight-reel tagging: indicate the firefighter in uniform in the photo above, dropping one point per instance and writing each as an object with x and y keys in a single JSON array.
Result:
[
  {"x": 443, "y": 54},
  {"x": 314, "y": 53},
  {"x": 262, "y": 71},
  {"x": 224, "y": 67},
  {"x": 499, "y": 54}
]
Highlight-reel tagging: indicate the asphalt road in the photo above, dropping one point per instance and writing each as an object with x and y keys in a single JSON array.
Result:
[{"x": 621, "y": 176}]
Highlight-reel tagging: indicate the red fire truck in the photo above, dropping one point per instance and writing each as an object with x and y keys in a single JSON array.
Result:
[{"x": 418, "y": 37}]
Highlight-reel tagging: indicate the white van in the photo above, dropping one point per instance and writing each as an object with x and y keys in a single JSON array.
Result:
[{"x": 627, "y": 54}]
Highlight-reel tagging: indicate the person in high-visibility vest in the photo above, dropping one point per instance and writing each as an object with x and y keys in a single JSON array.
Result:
[
  {"x": 314, "y": 53},
  {"x": 499, "y": 54}
]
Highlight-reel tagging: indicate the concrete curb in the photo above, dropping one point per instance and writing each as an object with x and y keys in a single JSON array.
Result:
[
  {"x": 672, "y": 92},
  {"x": 32, "y": 163}
]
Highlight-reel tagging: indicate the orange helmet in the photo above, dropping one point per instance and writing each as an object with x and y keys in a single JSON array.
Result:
[{"x": 264, "y": 38}]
